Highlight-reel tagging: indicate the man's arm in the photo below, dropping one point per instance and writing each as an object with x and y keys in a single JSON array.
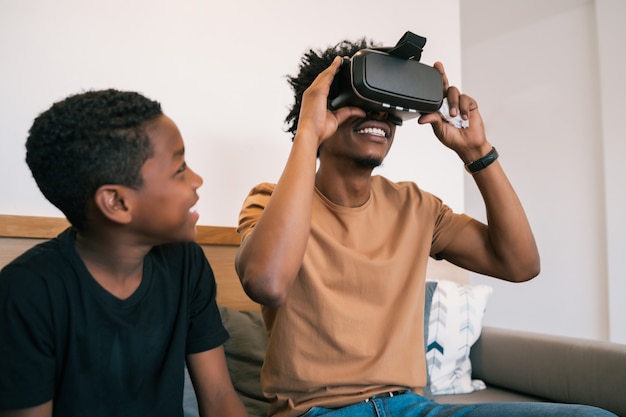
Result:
[
  {"x": 214, "y": 389},
  {"x": 43, "y": 410},
  {"x": 269, "y": 258},
  {"x": 504, "y": 248}
]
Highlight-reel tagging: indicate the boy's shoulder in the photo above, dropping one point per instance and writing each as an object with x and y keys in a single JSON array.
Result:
[
  {"x": 38, "y": 272},
  {"x": 42, "y": 254}
]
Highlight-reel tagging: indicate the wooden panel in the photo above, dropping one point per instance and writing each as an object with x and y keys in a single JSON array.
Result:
[
  {"x": 49, "y": 227},
  {"x": 31, "y": 226},
  {"x": 229, "y": 290},
  {"x": 217, "y": 235}
]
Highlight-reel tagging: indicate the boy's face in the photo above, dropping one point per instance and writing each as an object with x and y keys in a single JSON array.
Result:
[{"x": 164, "y": 203}]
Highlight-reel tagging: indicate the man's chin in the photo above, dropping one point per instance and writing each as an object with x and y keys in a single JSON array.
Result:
[{"x": 368, "y": 163}]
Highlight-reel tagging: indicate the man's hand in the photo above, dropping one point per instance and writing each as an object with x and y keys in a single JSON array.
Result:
[
  {"x": 469, "y": 143},
  {"x": 314, "y": 114}
]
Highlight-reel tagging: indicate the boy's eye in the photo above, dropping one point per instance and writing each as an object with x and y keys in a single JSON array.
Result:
[{"x": 182, "y": 168}]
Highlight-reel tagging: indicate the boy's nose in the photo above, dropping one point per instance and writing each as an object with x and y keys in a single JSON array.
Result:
[{"x": 196, "y": 180}]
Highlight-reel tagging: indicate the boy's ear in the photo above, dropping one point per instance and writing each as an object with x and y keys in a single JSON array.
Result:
[{"x": 111, "y": 202}]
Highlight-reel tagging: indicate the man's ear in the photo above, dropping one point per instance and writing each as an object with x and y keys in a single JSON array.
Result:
[{"x": 111, "y": 202}]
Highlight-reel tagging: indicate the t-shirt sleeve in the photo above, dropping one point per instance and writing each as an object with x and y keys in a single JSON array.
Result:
[
  {"x": 253, "y": 206},
  {"x": 447, "y": 225},
  {"x": 27, "y": 333},
  {"x": 205, "y": 324}
]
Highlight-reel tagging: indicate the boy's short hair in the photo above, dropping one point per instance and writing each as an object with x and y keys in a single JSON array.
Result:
[
  {"x": 88, "y": 140},
  {"x": 312, "y": 63}
]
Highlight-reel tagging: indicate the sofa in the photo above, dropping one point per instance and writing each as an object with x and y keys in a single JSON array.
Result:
[{"x": 495, "y": 364}]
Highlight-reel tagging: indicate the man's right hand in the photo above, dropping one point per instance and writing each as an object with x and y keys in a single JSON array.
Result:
[{"x": 314, "y": 113}]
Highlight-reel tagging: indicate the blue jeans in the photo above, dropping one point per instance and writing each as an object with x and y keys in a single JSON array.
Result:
[{"x": 410, "y": 404}]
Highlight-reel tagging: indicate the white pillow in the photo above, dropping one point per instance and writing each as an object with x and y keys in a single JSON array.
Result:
[{"x": 455, "y": 324}]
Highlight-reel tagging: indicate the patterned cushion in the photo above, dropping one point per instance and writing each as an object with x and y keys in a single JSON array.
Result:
[
  {"x": 455, "y": 324},
  {"x": 431, "y": 287}
]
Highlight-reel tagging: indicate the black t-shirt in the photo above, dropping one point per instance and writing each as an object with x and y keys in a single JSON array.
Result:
[{"x": 65, "y": 338}]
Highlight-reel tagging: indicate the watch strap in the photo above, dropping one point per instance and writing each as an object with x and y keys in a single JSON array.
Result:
[{"x": 482, "y": 163}]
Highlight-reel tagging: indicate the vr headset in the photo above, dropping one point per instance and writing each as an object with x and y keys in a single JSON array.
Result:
[{"x": 389, "y": 79}]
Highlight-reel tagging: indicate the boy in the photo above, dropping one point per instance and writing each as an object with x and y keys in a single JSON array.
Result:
[{"x": 100, "y": 320}]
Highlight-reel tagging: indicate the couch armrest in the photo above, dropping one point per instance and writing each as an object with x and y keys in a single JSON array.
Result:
[{"x": 560, "y": 369}]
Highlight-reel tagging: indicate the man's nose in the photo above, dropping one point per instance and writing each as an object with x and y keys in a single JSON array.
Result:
[
  {"x": 384, "y": 116},
  {"x": 378, "y": 115}
]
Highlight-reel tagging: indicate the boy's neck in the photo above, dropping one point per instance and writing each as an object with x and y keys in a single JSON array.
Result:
[{"x": 118, "y": 268}]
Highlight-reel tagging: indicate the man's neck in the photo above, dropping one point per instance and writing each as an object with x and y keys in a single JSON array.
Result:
[{"x": 347, "y": 188}]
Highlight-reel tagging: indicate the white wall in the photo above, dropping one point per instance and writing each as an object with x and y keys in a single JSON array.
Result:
[
  {"x": 549, "y": 75},
  {"x": 534, "y": 66},
  {"x": 610, "y": 16},
  {"x": 219, "y": 70}
]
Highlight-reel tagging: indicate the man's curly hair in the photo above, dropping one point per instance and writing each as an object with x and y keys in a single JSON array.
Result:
[
  {"x": 312, "y": 63},
  {"x": 88, "y": 140}
]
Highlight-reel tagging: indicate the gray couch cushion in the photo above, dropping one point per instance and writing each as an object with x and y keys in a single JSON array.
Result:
[
  {"x": 560, "y": 369},
  {"x": 489, "y": 395}
]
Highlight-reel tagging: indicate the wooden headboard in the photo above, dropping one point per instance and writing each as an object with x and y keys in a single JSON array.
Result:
[{"x": 19, "y": 233}]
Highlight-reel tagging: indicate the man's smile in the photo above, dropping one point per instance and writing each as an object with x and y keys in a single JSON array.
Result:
[{"x": 376, "y": 131}]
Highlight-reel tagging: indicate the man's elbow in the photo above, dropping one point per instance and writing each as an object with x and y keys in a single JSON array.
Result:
[
  {"x": 526, "y": 272},
  {"x": 264, "y": 290}
]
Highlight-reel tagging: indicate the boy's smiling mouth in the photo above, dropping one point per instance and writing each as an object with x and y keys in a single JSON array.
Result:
[{"x": 193, "y": 212}]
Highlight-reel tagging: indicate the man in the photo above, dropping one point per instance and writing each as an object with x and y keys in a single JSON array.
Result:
[
  {"x": 337, "y": 257},
  {"x": 100, "y": 320}
]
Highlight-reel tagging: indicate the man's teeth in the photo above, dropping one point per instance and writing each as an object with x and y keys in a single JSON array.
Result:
[{"x": 372, "y": 131}]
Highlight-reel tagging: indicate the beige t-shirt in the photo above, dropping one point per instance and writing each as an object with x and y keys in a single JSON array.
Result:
[{"x": 352, "y": 325}]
